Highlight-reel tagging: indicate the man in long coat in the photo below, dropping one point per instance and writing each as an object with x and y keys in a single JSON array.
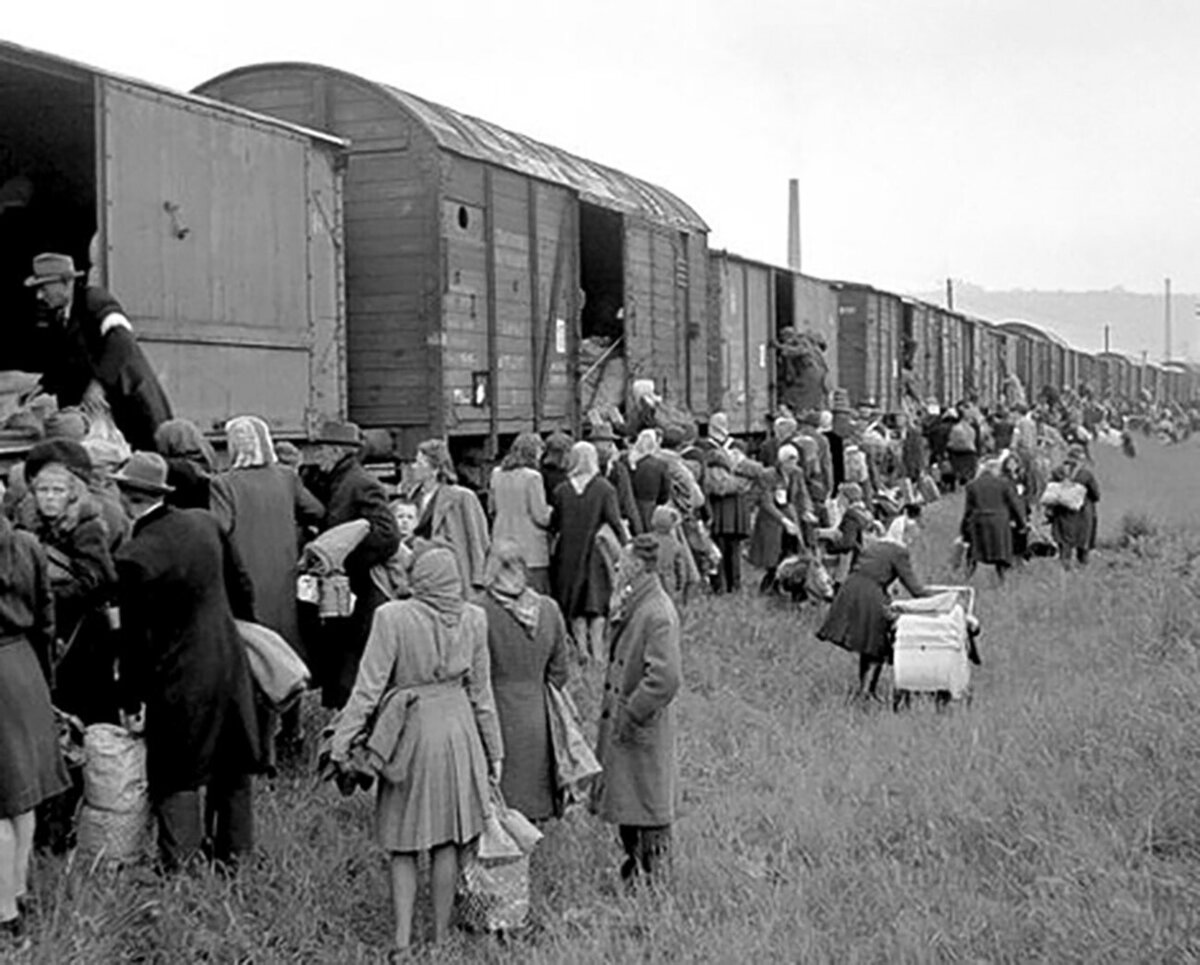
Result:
[
  {"x": 95, "y": 355},
  {"x": 991, "y": 513},
  {"x": 182, "y": 662},
  {"x": 349, "y": 492},
  {"x": 636, "y": 744}
]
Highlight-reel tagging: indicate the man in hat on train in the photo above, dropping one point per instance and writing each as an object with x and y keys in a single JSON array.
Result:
[{"x": 95, "y": 357}]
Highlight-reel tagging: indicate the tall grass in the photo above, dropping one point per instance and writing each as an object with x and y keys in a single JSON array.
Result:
[{"x": 1056, "y": 818}]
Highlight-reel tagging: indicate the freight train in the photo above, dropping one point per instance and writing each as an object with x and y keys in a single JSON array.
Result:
[{"x": 304, "y": 243}]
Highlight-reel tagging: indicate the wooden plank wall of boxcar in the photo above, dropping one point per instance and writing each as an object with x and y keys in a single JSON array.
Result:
[
  {"x": 742, "y": 299},
  {"x": 390, "y": 249},
  {"x": 228, "y": 285},
  {"x": 658, "y": 296},
  {"x": 854, "y": 337}
]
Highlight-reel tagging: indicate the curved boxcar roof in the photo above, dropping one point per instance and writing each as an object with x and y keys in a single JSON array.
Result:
[{"x": 482, "y": 140}]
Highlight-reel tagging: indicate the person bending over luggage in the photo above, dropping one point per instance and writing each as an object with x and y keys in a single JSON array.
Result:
[{"x": 860, "y": 619}]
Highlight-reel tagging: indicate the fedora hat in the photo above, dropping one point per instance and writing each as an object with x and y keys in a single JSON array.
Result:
[
  {"x": 50, "y": 267},
  {"x": 601, "y": 433},
  {"x": 339, "y": 434},
  {"x": 145, "y": 472}
]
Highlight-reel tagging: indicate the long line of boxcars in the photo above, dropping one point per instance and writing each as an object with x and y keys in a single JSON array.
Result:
[{"x": 305, "y": 243}]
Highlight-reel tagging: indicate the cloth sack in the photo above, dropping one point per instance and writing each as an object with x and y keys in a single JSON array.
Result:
[
  {"x": 1068, "y": 495},
  {"x": 928, "y": 488},
  {"x": 114, "y": 769},
  {"x": 279, "y": 672},
  {"x": 520, "y": 830},
  {"x": 102, "y": 428},
  {"x": 574, "y": 761}
]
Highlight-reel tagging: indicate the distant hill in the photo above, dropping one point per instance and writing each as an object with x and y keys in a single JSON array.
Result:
[{"x": 1135, "y": 318}]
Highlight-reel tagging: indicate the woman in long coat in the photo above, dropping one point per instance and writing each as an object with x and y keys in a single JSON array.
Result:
[
  {"x": 527, "y": 644},
  {"x": 860, "y": 620},
  {"x": 650, "y": 477},
  {"x": 31, "y": 768},
  {"x": 263, "y": 506},
  {"x": 636, "y": 741},
  {"x": 1075, "y": 530},
  {"x": 522, "y": 513},
  {"x": 432, "y": 649},
  {"x": 450, "y": 513},
  {"x": 582, "y": 585},
  {"x": 728, "y": 509},
  {"x": 782, "y": 499},
  {"x": 992, "y": 515}
]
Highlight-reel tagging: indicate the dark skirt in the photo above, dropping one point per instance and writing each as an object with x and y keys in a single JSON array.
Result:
[
  {"x": 858, "y": 619},
  {"x": 31, "y": 766},
  {"x": 991, "y": 539}
]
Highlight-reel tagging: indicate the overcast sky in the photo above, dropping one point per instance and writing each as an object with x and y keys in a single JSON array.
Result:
[{"x": 1009, "y": 143}]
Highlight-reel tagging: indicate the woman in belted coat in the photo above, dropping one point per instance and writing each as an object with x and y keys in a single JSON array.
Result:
[
  {"x": 992, "y": 513},
  {"x": 433, "y": 790},
  {"x": 636, "y": 742}
]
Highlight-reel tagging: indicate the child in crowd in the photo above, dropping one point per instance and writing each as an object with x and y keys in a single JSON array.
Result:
[{"x": 672, "y": 566}]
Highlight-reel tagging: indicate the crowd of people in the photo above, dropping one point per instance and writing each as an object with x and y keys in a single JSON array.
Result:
[{"x": 443, "y": 610}]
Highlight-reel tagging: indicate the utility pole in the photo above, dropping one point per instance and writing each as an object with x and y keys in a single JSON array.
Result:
[
  {"x": 1107, "y": 332},
  {"x": 950, "y": 294},
  {"x": 794, "y": 224},
  {"x": 1167, "y": 317}
]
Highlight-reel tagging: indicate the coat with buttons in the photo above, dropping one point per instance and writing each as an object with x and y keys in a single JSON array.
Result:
[{"x": 636, "y": 744}]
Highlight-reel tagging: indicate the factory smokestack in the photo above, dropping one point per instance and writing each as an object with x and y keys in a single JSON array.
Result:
[{"x": 794, "y": 224}]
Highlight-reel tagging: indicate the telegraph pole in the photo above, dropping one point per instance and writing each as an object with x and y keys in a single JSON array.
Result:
[
  {"x": 794, "y": 224},
  {"x": 950, "y": 294},
  {"x": 1107, "y": 332},
  {"x": 1167, "y": 317}
]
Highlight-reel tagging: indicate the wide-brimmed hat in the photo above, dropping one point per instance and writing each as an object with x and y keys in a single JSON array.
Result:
[
  {"x": 50, "y": 267},
  {"x": 145, "y": 472},
  {"x": 339, "y": 434}
]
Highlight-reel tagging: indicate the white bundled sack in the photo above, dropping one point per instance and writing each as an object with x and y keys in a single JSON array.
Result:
[
  {"x": 114, "y": 769},
  {"x": 930, "y": 652},
  {"x": 276, "y": 667}
]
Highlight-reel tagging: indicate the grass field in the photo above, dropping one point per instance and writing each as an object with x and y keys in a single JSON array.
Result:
[{"x": 1057, "y": 818}]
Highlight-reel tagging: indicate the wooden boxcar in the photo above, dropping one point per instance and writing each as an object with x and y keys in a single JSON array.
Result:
[
  {"x": 868, "y": 356},
  {"x": 918, "y": 354},
  {"x": 987, "y": 351},
  {"x": 751, "y": 303},
  {"x": 481, "y": 263},
  {"x": 217, "y": 230}
]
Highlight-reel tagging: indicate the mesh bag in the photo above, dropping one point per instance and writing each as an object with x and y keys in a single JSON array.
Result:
[
  {"x": 114, "y": 769},
  {"x": 116, "y": 836},
  {"x": 493, "y": 895}
]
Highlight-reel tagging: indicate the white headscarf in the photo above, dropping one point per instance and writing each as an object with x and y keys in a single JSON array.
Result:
[
  {"x": 646, "y": 445},
  {"x": 255, "y": 449},
  {"x": 584, "y": 465}
]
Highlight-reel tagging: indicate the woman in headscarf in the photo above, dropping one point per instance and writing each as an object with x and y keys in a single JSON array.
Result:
[
  {"x": 783, "y": 505},
  {"x": 433, "y": 791},
  {"x": 449, "y": 513},
  {"x": 650, "y": 477},
  {"x": 263, "y": 506},
  {"x": 527, "y": 643},
  {"x": 191, "y": 463},
  {"x": 860, "y": 619},
  {"x": 846, "y": 541},
  {"x": 31, "y": 767},
  {"x": 582, "y": 505},
  {"x": 59, "y": 511},
  {"x": 521, "y": 511}
]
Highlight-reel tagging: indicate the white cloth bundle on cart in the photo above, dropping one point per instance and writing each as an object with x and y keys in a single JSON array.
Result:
[{"x": 930, "y": 651}]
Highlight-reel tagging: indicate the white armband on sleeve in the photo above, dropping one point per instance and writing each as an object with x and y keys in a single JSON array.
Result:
[{"x": 115, "y": 320}]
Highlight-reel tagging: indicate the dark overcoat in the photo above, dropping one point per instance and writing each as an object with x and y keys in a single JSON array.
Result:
[
  {"x": 651, "y": 488},
  {"x": 350, "y": 493},
  {"x": 767, "y": 538},
  {"x": 180, "y": 586},
  {"x": 1077, "y": 529},
  {"x": 262, "y": 509},
  {"x": 111, "y": 356},
  {"x": 523, "y": 662},
  {"x": 991, "y": 511},
  {"x": 636, "y": 742},
  {"x": 577, "y": 572}
]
